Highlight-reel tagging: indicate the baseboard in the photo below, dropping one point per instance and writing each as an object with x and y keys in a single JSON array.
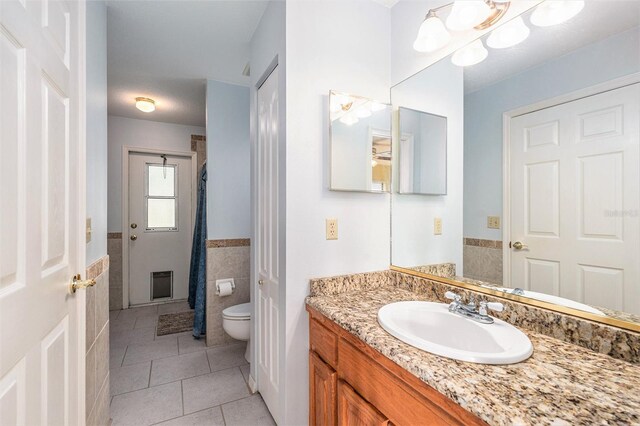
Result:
[{"x": 253, "y": 387}]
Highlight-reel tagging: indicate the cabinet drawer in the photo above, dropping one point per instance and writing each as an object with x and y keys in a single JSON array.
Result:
[
  {"x": 385, "y": 391},
  {"x": 324, "y": 343}
]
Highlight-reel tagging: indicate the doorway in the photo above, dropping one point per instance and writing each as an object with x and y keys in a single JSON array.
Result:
[{"x": 159, "y": 194}]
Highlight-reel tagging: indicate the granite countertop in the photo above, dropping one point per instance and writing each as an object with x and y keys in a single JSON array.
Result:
[{"x": 560, "y": 384}]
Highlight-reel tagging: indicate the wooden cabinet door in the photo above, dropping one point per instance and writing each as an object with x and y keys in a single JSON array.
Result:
[
  {"x": 322, "y": 392},
  {"x": 353, "y": 410}
]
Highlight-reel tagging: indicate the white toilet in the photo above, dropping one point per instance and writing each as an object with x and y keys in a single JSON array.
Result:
[{"x": 236, "y": 321}]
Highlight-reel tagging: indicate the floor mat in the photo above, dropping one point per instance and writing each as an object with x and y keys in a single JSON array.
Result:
[{"x": 175, "y": 323}]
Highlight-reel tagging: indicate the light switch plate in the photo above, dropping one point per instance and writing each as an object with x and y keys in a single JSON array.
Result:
[
  {"x": 88, "y": 229},
  {"x": 331, "y": 229},
  {"x": 437, "y": 226},
  {"x": 493, "y": 222}
]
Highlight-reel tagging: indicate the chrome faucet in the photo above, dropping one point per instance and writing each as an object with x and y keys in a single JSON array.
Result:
[
  {"x": 518, "y": 291},
  {"x": 478, "y": 313}
]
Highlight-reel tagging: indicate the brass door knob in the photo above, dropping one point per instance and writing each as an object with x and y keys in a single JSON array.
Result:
[
  {"x": 260, "y": 282},
  {"x": 133, "y": 237},
  {"x": 519, "y": 246},
  {"x": 78, "y": 283}
]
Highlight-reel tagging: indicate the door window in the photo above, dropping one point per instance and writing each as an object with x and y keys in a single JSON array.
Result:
[{"x": 161, "y": 193}]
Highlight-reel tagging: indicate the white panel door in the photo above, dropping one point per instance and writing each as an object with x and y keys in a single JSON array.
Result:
[
  {"x": 268, "y": 255},
  {"x": 575, "y": 199},
  {"x": 42, "y": 243},
  {"x": 160, "y": 228}
]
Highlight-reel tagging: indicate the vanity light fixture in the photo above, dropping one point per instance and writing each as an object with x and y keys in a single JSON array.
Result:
[
  {"x": 553, "y": 12},
  {"x": 509, "y": 34},
  {"x": 432, "y": 34},
  {"x": 377, "y": 106},
  {"x": 466, "y": 14},
  {"x": 349, "y": 119},
  {"x": 471, "y": 54},
  {"x": 145, "y": 104}
]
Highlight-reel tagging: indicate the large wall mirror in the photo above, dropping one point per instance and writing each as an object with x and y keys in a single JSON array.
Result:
[
  {"x": 543, "y": 161},
  {"x": 360, "y": 144}
]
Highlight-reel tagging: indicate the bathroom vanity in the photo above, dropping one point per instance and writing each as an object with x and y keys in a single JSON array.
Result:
[{"x": 360, "y": 374}]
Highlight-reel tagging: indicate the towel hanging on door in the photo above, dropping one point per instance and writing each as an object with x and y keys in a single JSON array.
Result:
[{"x": 198, "y": 269}]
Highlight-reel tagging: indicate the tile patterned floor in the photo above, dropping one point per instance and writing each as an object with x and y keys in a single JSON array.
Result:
[{"x": 176, "y": 380}]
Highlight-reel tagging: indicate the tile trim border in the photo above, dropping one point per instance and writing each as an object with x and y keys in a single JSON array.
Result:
[
  {"x": 477, "y": 242},
  {"x": 114, "y": 235},
  {"x": 97, "y": 268},
  {"x": 237, "y": 242}
]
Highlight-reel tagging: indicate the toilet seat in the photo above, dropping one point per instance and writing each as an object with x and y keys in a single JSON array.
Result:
[{"x": 238, "y": 312}]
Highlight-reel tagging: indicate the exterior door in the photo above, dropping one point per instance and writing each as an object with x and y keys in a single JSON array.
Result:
[
  {"x": 268, "y": 255},
  {"x": 575, "y": 198},
  {"x": 42, "y": 243},
  {"x": 160, "y": 227}
]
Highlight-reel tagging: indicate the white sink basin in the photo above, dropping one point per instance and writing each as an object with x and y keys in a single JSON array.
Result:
[
  {"x": 431, "y": 327},
  {"x": 556, "y": 300}
]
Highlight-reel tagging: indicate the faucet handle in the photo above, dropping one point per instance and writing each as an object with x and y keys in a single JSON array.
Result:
[
  {"x": 452, "y": 296},
  {"x": 494, "y": 306}
]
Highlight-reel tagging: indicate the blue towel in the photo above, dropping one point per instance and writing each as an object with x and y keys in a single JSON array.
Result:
[{"x": 198, "y": 269}]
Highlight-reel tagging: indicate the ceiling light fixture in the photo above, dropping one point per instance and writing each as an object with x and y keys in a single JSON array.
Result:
[
  {"x": 466, "y": 14},
  {"x": 471, "y": 54},
  {"x": 145, "y": 104},
  {"x": 553, "y": 12},
  {"x": 509, "y": 34},
  {"x": 432, "y": 34}
]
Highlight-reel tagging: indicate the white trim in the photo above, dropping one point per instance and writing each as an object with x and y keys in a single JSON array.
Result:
[
  {"x": 614, "y": 84},
  {"x": 253, "y": 386},
  {"x": 126, "y": 151}
]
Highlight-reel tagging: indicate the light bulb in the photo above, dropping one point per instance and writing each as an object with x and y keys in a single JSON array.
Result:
[
  {"x": 145, "y": 104},
  {"x": 339, "y": 101},
  {"x": 509, "y": 34},
  {"x": 363, "y": 111},
  {"x": 377, "y": 106},
  {"x": 349, "y": 119},
  {"x": 432, "y": 34},
  {"x": 553, "y": 12},
  {"x": 466, "y": 14},
  {"x": 374, "y": 163},
  {"x": 471, "y": 54}
]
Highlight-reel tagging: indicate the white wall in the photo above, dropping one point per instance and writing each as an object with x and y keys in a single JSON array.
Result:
[
  {"x": 341, "y": 45},
  {"x": 228, "y": 161},
  {"x": 605, "y": 60},
  {"x": 142, "y": 134},
  {"x": 97, "y": 129},
  {"x": 436, "y": 90}
]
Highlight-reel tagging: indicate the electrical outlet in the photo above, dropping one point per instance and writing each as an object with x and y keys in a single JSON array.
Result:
[
  {"x": 493, "y": 222},
  {"x": 437, "y": 226},
  {"x": 332, "y": 229}
]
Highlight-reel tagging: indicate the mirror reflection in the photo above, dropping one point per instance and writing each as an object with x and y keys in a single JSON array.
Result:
[
  {"x": 360, "y": 144},
  {"x": 422, "y": 152},
  {"x": 543, "y": 162}
]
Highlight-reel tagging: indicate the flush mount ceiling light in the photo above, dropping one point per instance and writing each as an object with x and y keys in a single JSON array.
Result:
[
  {"x": 432, "y": 34},
  {"x": 510, "y": 34},
  {"x": 466, "y": 14},
  {"x": 553, "y": 12},
  {"x": 471, "y": 54},
  {"x": 145, "y": 104}
]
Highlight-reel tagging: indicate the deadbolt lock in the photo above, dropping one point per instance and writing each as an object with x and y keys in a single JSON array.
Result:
[{"x": 134, "y": 225}]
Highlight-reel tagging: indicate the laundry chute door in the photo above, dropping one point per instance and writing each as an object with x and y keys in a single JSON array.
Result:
[{"x": 42, "y": 193}]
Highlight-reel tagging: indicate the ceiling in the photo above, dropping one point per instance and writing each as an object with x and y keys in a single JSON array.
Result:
[
  {"x": 598, "y": 20},
  {"x": 166, "y": 50}
]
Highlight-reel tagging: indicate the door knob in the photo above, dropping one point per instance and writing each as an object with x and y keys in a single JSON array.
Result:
[
  {"x": 78, "y": 283},
  {"x": 133, "y": 237},
  {"x": 260, "y": 282},
  {"x": 134, "y": 225},
  {"x": 519, "y": 246}
]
